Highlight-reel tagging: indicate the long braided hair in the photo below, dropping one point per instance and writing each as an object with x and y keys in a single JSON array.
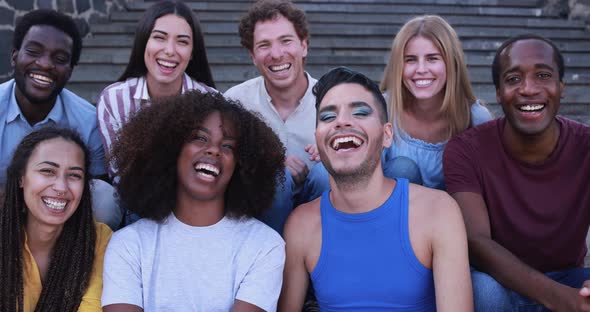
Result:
[{"x": 70, "y": 264}]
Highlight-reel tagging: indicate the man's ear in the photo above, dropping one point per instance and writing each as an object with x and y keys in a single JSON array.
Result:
[
  {"x": 252, "y": 57},
  {"x": 13, "y": 57},
  {"x": 562, "y": 89},
  {"x": 387, "y": 134}
]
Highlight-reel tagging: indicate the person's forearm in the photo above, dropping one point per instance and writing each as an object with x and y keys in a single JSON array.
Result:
[{"x": 489, "y": 257}]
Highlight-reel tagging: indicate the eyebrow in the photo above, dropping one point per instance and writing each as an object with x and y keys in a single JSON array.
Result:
[
  {"x": 354, "y": 104},
  {"x": 165, "y": 33},
  {"x": 51, "y": 163},
  {"x": 225, "y": 135},
  {"x": 537, "y": 66}
]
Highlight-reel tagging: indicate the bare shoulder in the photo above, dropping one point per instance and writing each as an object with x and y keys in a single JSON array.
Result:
[
  {"x": 304, "y": 220},
  {"x": 430, "y": 204}
]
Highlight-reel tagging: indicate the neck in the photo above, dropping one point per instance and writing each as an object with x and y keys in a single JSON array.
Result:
[
  {"x": 360, "y": 194},
  {"x": 33, "y": 112},
  {"x": 533, "y": 148},
  {"x": 198, "y": 212},
  {"x": 158, "y": 90},
  {"x": 426, "y": 110},
  {"x": 41, "y": 238},
  {"x": 288, "y": 98}
]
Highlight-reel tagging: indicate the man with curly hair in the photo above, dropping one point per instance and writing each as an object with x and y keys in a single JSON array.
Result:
[
  {"x": 45, "y": 49},
  {"x": 276, "y": 35},
  {"x": 371, "y": 243},
  {"x": 198, "y": 169}
]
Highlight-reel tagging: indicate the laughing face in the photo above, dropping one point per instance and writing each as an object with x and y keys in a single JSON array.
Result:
[
  {"x": 53, "y": 182},
  {"x": 350, "y": 134},
  {"x": 207, "y": 161},
  {"x": 168, "y": 51},
  {"x": 278, "y": 53},
  {"x": 424, "y": 73},
  {"x": 530, "y": 89},
  {"x": 42, "y": 65}
]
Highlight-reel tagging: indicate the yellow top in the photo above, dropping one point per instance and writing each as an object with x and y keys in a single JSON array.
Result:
[{"x": 91, "y": 299}]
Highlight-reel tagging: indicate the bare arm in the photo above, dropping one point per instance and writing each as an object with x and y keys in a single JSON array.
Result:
[
  {"x": 452, "y": 280},
  {"x": 122, "y": 308},
  {"x": 243, "y": 306},
  {"x": 295, "y": 277},
  {"x": 490, "y": 257}
]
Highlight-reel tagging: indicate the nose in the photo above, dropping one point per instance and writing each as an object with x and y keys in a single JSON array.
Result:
[
  {"x": 45, "y": 61},
  {"x": 60, "y": 185},
  {"x": 169, "y": 48},
  {"x": 529, "y": 86},
  {"x": 421, "y": 66},
  {"x": 276, "y": 51},
  {"x": 343, "y": 121},
  {"x": 212, "y": 150}
]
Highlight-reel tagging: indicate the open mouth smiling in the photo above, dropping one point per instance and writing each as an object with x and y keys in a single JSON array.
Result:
[
  {"x": 55, "y": 204},
  {"x": 278, "y": 68},
  {"x": 207, "y": 170},
  {"x": 531, "y": 108},
  {"x": 167, "y": 64},
  {"x": 346, "y": 142},
  {"x": 41, "y": 79}
]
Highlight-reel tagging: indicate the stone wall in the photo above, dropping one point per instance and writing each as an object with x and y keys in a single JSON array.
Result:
[{"x": 84, "y": 12}]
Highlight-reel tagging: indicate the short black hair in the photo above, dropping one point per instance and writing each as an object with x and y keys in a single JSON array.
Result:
[
  {"x": 557, "y": 56},
  {"x": 147, "y": 150},
  {"x": 343, "y": 74},
  {"x": 49, "y": 18}
]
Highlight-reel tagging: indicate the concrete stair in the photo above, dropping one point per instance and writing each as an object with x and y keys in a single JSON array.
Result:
[{"x": 355, "y": 33}]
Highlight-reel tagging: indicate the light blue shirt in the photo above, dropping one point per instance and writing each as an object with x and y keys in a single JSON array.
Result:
[
  {"x": 428, "y": 156},
  {"x": 69, "y": 111}
]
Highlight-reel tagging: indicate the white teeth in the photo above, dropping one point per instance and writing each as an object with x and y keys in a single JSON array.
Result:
[
  {"x": 55, "y": 204},
  {"x": 356, "y": 141},
  {"x": 531, "y": 107},
  {"x": 208, "y": 167},
  {"x": 41, "y": 79},
  {"x": 280, "y": 67},
  {"x": 424, "y": 82},
  {"x": 166, "y": 63}
]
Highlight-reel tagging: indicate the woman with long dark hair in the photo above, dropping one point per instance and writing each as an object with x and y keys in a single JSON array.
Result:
[{"x": 51, "y": 251}]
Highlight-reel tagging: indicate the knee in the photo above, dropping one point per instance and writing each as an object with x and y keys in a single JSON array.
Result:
[
  {"x": 488, "y": 294},
  {"x": 402, "y": 167},
  {"x": 104, "y": 205}
]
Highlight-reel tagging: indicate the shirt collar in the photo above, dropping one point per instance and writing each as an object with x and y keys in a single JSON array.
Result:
[
  {"x": 264, "y": 93},
  {"x": 142, "y": 93},
  {"x": 14, "y": 111}
]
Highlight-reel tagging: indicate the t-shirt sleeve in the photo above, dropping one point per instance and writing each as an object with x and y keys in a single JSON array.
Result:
[
  {"x": 262, "y": 284},
  {"x": 122, "y": 281},
  {"x": 97, "y": 156},
  {"x": 460, "y": 167}
]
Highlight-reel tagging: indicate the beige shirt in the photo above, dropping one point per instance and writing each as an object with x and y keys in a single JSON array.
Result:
[{"x": 295, "y": 132}]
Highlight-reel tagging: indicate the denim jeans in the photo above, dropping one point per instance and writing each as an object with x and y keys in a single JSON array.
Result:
[{"x": 489, "y": 295}]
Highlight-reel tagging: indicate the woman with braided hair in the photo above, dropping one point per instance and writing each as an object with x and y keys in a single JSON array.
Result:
[{"x": 51, "y": 251}]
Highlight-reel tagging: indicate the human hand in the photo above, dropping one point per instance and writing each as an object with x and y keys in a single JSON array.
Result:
[
  {"x": 312, "y": 150},
  {"x": 297, "y": 168},
  {"x": 573, "y": 299}
]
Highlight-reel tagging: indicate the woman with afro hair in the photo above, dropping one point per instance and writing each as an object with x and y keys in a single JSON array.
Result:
[{"x": 198, "y": 169}]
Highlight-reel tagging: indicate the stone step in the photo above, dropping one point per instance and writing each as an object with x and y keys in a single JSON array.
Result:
[
  {"x": 373, "y": 19},
  {"x": 359, "y": 43},
  {"x": 351, "y": 30},
  {"x": 507, "y": 3},
  {"x": 121, "y": 57},
  {"x": 337, "y": 6}
]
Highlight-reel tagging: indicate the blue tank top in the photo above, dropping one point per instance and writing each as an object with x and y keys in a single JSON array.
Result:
[{"x": 367, "y": 262}]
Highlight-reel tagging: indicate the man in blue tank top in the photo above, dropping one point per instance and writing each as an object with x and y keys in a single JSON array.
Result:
[{"x": 371, "y": 243}]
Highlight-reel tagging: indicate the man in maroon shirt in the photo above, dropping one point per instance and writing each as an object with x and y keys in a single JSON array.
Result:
[{"x": 522, "y": 184}]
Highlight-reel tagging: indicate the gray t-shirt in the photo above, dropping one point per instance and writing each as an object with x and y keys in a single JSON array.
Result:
[{"x": 172, "y": 266}]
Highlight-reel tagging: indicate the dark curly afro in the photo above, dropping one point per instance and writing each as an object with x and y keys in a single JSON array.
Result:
[{"x": 148, "y": 147}]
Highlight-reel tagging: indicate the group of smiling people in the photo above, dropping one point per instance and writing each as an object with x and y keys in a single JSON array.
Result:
[{"x": 205, "y": 183}]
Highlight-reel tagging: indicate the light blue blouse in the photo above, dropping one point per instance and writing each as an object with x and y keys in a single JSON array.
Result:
[{"x": 428, "y": 156}]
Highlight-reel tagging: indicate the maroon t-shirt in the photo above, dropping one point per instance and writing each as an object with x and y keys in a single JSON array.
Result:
[{"x": 539, "y": 212}]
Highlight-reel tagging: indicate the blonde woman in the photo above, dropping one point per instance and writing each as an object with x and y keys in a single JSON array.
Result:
[{"x": 430, "y": 99}]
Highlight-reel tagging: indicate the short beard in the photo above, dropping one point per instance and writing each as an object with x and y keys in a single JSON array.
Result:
[{"x": 357, "y": 178}]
